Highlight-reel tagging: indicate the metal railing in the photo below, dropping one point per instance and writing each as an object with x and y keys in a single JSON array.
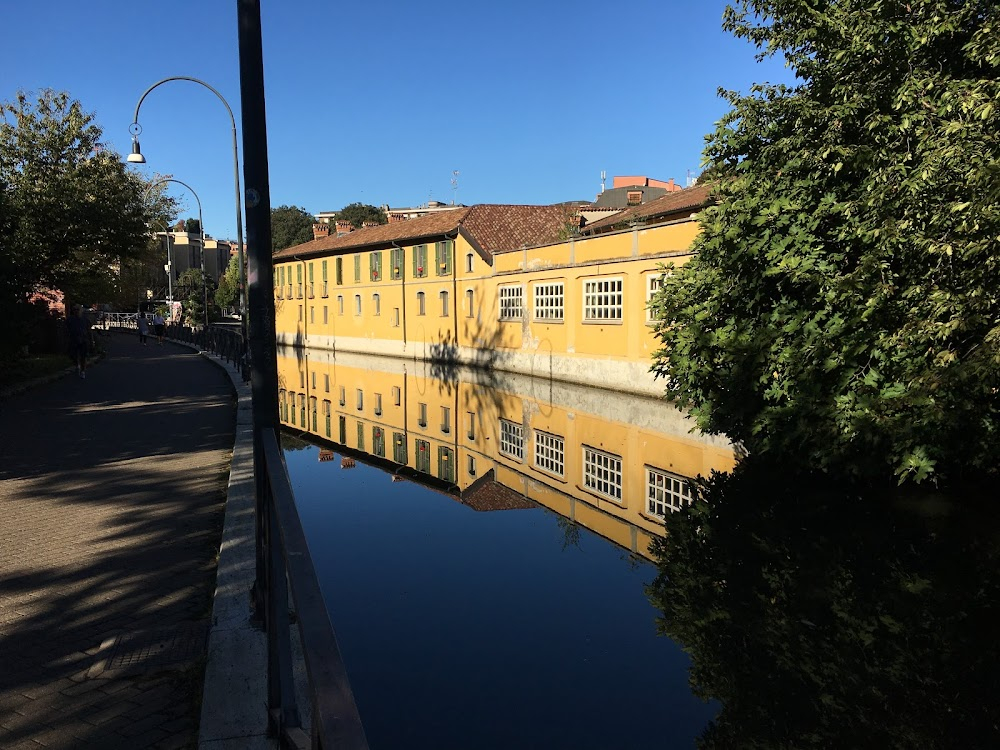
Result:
[
  {"x": 336, "y": 723},
  {"x": 226, "y": 342}
]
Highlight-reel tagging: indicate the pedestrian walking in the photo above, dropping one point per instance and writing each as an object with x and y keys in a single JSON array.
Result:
[
  {"x": 143, "y": 326},
  {"x": 78, "y": 328},
  {"x": 158, "y": 325}
]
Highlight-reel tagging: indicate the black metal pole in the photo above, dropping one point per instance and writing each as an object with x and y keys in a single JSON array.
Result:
[{"x": 260, "y": 302}]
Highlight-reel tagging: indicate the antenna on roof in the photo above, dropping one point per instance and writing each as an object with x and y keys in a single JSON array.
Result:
[
  {"x": 454, "y": 188},
  {"x": 604, "y": 176}
]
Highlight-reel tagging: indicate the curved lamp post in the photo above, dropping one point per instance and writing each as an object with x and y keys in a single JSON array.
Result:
[
  {"x": 201, "y": 231},
  {"x": 136, "y": 157}
]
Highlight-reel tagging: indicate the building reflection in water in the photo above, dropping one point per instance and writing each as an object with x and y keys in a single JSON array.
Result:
[{"x": 614, "y": 463}]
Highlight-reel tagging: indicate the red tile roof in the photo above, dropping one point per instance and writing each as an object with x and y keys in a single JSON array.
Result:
[
  {"x": 489, "y": 227},
  {"x": 671, "y": 205}
]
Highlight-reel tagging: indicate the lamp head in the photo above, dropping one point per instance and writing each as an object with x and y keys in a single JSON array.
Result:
[{"x": 136, "y": 156}]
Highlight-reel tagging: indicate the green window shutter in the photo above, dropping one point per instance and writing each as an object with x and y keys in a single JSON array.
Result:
[
  {"x": 416, "y": 252},
  {"x": 357, "y": 268},
  {"x": 437, "y": 258},
  {"x": 298, "y": 269},
  {"x": 324, "y": 270},
  {"x": 310, "y": 273},
  {"x": 340, "y": 270},
  {"x": 378, "y": 263}
]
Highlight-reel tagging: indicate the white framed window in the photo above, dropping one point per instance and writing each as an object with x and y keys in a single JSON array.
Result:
[
  {"x": 511, "y": 302},
  {"x": 471, "y": 421},
  {"x": 421, "y": 303},
  {"x": 422, "y": 414},
  {"x": 470, "y": 297},
  {"x": 602, "y": 473},
  {"x": 549, "y": 302},
  {"x": 357, "y": 304},
  {"x": 377, "y": 304},
  {"x": 326, "y": 315},
  {"x": 395, "y": 317},
  {"x": 326, "y": 382},
  {"x": 343, "y": 396},
  {"x": 312, "y": 314},
  {"x": 550, "y": 455},
  {"x": 444, "y": 304},
  {"x": 512, "y": 439},
  {"x": 340, "y": 304},
  {"x": 468, "y": 263},
  {"x": 313, "y": 378},
  {"x": 445, "y": 419},
  {"x": 654, "y": 282},
  {"x": 361, "y": 399},
  {"x": 666, "y": 492},
  {"x": 602, "y": 300},
  {"x": 396, "y": 395},
  {"x": 378, "y": 404}
]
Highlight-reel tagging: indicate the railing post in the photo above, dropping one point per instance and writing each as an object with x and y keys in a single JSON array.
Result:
[{"x": 282, "y": 710}]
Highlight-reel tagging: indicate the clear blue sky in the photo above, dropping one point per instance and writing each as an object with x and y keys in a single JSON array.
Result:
[{"x": 380, "y": 102}]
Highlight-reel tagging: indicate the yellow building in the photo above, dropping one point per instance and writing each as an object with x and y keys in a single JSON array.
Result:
[
  {"x": 611, "y": 462},
  {"x": 512, "y": 287}
]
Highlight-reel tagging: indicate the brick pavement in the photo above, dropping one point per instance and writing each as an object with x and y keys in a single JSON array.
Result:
[{"x": 111, "y": 497}]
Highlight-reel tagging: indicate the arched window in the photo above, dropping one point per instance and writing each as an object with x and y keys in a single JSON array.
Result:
[
  {"x": 444, "y": 304},
  {"x": 421, "y": 305},
  {"x": 376, "y": 304}
]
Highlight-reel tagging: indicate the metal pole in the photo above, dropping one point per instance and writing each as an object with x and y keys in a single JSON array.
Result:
[
  {"x": 260, "y": 299},
  {"x": 201, "y": 229},
  {"x": 170, "y": 280},
  {"x": 236, "y": 174}
]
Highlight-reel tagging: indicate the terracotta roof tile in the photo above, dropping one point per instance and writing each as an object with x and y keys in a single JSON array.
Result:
[
  {"x": 682, "y": 202},
  {"x": 493, "y": 228},
  {"x": 488, "y": 494}
]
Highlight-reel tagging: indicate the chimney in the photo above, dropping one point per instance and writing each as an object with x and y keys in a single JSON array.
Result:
[
  {"x": 343, "y": 227},
  {"x": 368, "y": 224},
  {"x": 321, "y": 230},
  {"x": 394, "y": 217}
]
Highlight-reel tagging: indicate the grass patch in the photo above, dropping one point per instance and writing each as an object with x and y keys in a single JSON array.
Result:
[{"x": 26, "y": 369}]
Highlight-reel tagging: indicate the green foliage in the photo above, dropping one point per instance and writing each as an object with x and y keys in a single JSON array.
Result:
[
  {"x": 842, "y": 308},
  {"x": 290, "y": 225},
  {"x": 190, "y": 292},
  {"x": 72, "y": 213},
  {"x": 826, "y": 615},
  {"x": 192, "y": 226},
  {"x": 228, "y": 292},
  {"x": 359, "y": 213}
]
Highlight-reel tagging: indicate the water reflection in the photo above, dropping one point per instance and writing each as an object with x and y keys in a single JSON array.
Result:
[
  {"x": 822, "y": 616},
  {"x": 614, "y": 463}
]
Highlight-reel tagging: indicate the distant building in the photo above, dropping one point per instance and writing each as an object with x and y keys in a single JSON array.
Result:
[{"x": 393, "y": 214}]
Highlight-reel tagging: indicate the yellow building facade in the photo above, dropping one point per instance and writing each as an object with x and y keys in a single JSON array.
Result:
[
  {"x": 486, "y": 285},
  {"x": 613, "y": 463}
]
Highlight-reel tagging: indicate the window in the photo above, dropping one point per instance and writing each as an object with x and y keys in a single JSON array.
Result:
[
  {"x": 281, "y": 405},
  {"x": 313, "y": 380},
  {"x": 633, "y": 197},
  {"x": 312, "y": 314},
  {"x": 511, "y": 302},
  {"x": 423, "y": 456},
  {"x": 469, "y": 263},
  {"x": 361, "y": 436},
  {"x": 399, "y": 448},
  {"x": 302, "y": 378},
  {"x": 375, "y": 265},
  {"x": 340, "y": 304},
  {"x": 361, "y": 399},
  {"x": 470, "y": 297},
  {"x": 549, "y": 301},
  {"x": 326, "y": 315},
  {"x": 300, "y": 314},
  {"x": 302, "y": 410},
  {"x": 298, "y": 285},
  {"x": 471, "y": 467},
  {"x": 291, "y": 403},
  {"x": 288, "y": 293},
  {"x": 324, "y": 288},
  {"x": 666, "y": 492},
  {"x": 396, "y": 395},
  {"x": 342, "y": 426},
  {"x": 280, "y": 279},
  {"x": 446, "y": 464},
  {"x": 326, "y": 416},
  {"x": 421, "y": 304},
  {"x": 340, "y": 270},
  {"x": 654, "y": 282},
  {"x": 357, "y": 269},
  {"x": 395, "y": 317},
  {"x": 602, "y": 300},
  {"x": 420, "y": 261},
  {"x": 602, "y": 473},
  {"x": 396, "y": 257},
  {"x": 313, "y": 413},
  {"x": 343, "y": 396},
  {"x": 471, "y": 421},
  {"x": 422, "y": 418},
  {"x": 326, "y": 382},
  {"x": 376, "y": 304},
  {"x": 511, "y": 439},
  {"x": 443, "y": 252},
  {"x": 357, "y": 304},
  {"x": 378, "y": 442},
  {"x": 444, "y": 304},
  {"x": 378, "y": 404},
  {"x": 445, "y": 419},
  {"x": 312, "y": 284},
  {"x": 549, "y": 453}
]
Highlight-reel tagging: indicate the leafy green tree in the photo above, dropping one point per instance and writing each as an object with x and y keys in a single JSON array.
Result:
[
  {"x": 192, "y": 226},
  {"x": 73, "y": 213},
  {"x": 190, "y": 292},
  {"x": 359, "y": 213},
  {"x": 842, "y": 307},
  {"x": 228, "y": 291},
  {"x": 290, "y": 225}
]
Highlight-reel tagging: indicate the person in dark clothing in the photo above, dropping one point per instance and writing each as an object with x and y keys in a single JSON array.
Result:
[{"x": 79, "y": 338}]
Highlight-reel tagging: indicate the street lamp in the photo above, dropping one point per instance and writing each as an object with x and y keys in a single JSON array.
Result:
[
  {"x": 136, "y": 157},
  {"x": 201, "y": 230}
]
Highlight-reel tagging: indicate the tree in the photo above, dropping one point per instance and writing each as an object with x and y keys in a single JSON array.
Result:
[
  {"x": 73, "y": 213},
  {"x": 842, "y": 307},
  {"x": 192, "y": 226},
  {"x": 290, "y": 225},
  {"x": 359, "y": 213},
  {"x": 228, "y": 291},
  {"x": 191, "y": 293}
]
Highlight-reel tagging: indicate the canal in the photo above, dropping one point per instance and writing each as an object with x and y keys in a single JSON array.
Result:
[{"x": 483, "y": 543}]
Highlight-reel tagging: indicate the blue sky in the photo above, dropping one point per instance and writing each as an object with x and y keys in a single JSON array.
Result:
[{"x": 382, "y": 102}]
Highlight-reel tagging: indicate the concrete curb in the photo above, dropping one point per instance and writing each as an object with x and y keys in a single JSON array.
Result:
[{"x": 234, "y": 697}]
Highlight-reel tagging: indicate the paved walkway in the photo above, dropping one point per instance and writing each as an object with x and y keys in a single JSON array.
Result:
[{"x": 112, "y": 492}]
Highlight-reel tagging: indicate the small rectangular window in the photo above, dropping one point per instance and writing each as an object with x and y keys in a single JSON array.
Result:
[
  {"x": 470, "y": 306},
  {"x": 357, "y": 304},
  {"x": 443, "y": 252},
  {"x": 342, "y": 427},
  {"x": 326, "y": 315},
  {"x": 550, "y": 453},
  {"x": 376, "y": 305},
  {"x": 396, "y": 395},
  {"x": 666, "y": 492},
  {"x": 302, "y": 378},
  {"x": 511, "y": 302},
  {"x": 445, "y": 419},
  {"x": 378, "y": 442},
  {"x": 343, "y": 396},
  {"x": 446, "y": 464},
  {"x": 444, "y": 304},
  {"x": 375, "y": 265},
  {"x": 511, "y": 439},
  {"x": 378, "y": 404},
  {"x": 420, "y": 261},
  {"x": 340, "y": 304},
  {"x": 602, "y": 473},
  {"x": 397, "y": 258},
  {"x": 549, "y": 301},
  {"x": 469, "y": 263},
  {"x": 399, "y": 448},
  {"x": 471, "y": 422},
  {"x": 312, "y": 378},
  {"x": 361, "y": 399},
  {"x": 421, "y": 304},
  {"x": 326, "y": 416},
  {"x": 312, "y": 314},
  {"x": 395, "y": 317},
  {"x": 326, "y": 382},
  {"x": 423, "y": 456},
  {"x": 361, "y": 436},
  {"x": 422, "y": 418},
  {"x": 313, "y": 413},
  {"x": 602, "y": 300},
  {"x": 654, "y": 282},
  {"x": 471, "y": 468}
]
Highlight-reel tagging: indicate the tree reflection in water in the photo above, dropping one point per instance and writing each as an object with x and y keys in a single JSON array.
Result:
[{"x": 824, "y": 617}]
